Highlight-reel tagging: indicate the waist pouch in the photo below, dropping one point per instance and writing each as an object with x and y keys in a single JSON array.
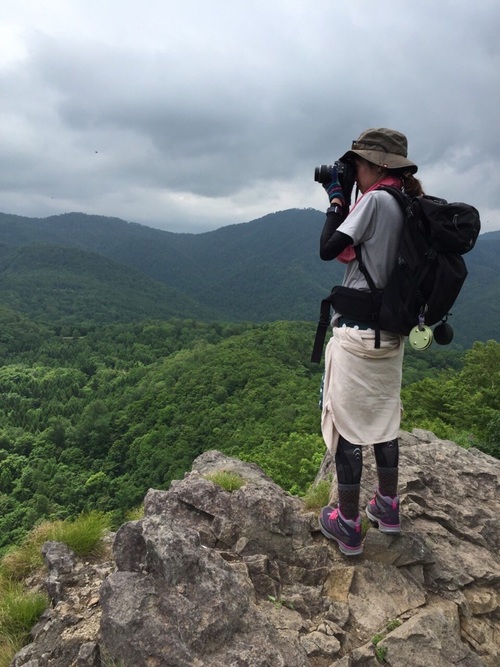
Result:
[
  {"x": 358, "y": 305},
  {"x": 352, "y": 303}
]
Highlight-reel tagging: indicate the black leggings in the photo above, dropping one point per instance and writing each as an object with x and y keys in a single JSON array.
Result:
[{"x": 349, "y": 459}]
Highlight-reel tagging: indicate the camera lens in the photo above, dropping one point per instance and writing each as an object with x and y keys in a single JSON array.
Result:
[{"x": 323, "y": 174}]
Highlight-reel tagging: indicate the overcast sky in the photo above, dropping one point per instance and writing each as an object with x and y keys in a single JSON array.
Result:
[{"x": 189, "y": 115}]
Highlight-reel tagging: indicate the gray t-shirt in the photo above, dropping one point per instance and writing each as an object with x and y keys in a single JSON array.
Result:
[{"x": 377, "y": 223}]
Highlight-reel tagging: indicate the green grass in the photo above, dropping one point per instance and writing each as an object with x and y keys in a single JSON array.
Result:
[
  {"x": 8, "y": 649},
  {"x": 20, "y": 608},
  {"x": 280, "y": 602},
  {"x": 83, "y": 535},
  {"x": 392, "y": 625},
  {"x": 19, "y": 611},
  {"x": 381, "y": 651},
  {"x": 365, "y": 524},
  {"x": 135, "y": 513},
  {"x": 20, "y": 561},
  {"x": 317, "y": 495},
  {"x": 229, "y": 481},
  {"x": 108, "y": 661}
]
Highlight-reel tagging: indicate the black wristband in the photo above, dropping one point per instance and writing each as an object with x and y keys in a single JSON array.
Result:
[{"x": 335, "y": 208}]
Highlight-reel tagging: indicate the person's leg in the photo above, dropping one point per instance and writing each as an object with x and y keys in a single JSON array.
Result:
[
  {"x": 349, "y": 466},
  {"x": 383, "y": 508},
  {"x": 343, "y": 523},
  {"x": 387, "y": 458}
]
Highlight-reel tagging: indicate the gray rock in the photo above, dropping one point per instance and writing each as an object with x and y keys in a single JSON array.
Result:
[
  {"x": 67, "y": 635},
  {"x": 88, "y": 655},
  {"x": 431, "y": 637},
  {"x": 185, "y": 604},
  {"x": 60, "y": 562},
  {"x": 246, "y": 579},
  {"x": 381, "y": 593}
]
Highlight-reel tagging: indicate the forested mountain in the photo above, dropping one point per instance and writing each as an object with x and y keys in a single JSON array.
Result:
[
  {"x": 264, "y": 270},
  {"x": 58, "y": 284}
]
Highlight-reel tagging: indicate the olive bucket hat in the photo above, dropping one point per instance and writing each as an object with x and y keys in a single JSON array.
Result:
[{"x": 383, "y": 147}]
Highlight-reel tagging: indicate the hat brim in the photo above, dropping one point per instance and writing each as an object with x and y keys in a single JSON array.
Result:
[{"x": 381, "y": 159}]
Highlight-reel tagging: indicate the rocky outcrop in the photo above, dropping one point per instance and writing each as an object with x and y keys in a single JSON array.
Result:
[
  {"x": 212, "y": 578},
  {"x": 68, "y": 633}
]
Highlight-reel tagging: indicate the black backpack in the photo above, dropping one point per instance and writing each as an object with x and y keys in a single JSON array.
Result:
[{"x": 426, "y": 279}]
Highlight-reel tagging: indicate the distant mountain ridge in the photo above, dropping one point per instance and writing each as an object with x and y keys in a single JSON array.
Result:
[
  {"x": 54, "y": 283},
  {"x": 263, "y": 270}
]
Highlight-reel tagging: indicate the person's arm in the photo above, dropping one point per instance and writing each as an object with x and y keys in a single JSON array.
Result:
[{"x": 332, "y": 242}]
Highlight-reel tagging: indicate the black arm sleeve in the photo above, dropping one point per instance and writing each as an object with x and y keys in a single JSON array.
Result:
[{"x": 333, "y": 242}]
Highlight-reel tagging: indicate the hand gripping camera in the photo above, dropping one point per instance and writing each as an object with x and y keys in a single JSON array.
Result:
[{"x": 346, "y": 172}]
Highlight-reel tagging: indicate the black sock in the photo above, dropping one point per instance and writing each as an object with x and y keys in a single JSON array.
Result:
[
  {"x": 388, "y": 481},
  {"x": 349, "y": 500}
]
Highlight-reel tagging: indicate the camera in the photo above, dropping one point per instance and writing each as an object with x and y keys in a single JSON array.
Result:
[{"x": 346, "y": 172}]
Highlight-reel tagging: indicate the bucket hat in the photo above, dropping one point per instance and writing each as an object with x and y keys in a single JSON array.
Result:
[{"x": 383, "y": 147}]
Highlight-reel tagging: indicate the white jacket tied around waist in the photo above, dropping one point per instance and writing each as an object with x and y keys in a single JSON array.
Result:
[{"x": 361, "y": 391}]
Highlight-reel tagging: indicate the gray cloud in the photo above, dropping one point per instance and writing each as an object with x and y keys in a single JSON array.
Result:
[{"x": 189, "y": 115}]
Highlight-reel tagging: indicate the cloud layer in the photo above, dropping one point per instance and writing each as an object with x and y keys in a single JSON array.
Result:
[{"x": 189, "y": 116}]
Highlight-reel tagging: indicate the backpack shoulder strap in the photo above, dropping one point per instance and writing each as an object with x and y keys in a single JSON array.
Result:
[
  {"x": 403, "y": 199},
  {"x": 404, "y": 202},
  {"x": 371, "y": 285}
]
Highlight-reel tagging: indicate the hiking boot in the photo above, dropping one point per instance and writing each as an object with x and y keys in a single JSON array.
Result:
[
  {"x": 346, "y": 532},
  {"x": 384, "y": 510}
]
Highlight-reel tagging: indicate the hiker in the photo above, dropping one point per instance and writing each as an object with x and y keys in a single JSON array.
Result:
[{"x": 362, "y": 382}]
